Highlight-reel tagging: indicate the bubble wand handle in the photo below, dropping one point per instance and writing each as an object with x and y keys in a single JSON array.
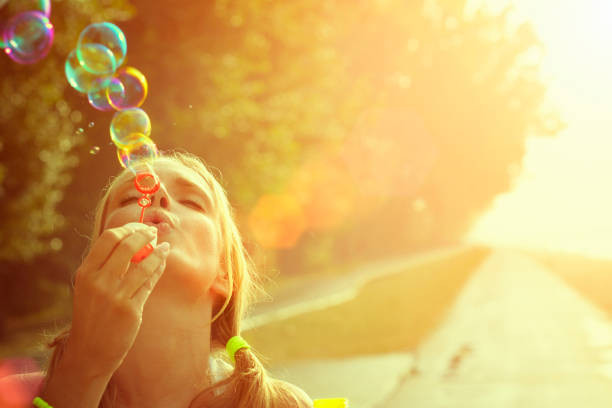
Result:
[{"x": 146, "y": 183}]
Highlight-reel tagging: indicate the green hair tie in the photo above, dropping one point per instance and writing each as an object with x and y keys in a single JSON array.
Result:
[
  {"x": 234, "y": 344},
  {"x": 40, "y": 403}
]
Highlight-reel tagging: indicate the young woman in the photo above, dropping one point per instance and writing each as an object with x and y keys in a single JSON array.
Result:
[{"x": 153, "y": 333}]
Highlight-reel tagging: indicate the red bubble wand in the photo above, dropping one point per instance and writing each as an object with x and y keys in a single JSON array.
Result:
[{"x": 147, "y": 184}]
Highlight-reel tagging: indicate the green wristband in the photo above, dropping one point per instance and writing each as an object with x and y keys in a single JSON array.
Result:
[
  {"x": 234, "y": 344},
  {"x": 40, "y": 403}
]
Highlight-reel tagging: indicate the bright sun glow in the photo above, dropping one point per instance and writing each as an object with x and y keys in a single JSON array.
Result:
[{"x": 562, "y": 201}]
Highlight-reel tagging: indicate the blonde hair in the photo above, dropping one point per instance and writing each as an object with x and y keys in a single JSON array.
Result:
[{"x": 250, "y": 384}]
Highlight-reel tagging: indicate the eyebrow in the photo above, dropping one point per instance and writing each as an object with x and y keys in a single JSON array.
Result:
[{"x": 180, "y": 181}]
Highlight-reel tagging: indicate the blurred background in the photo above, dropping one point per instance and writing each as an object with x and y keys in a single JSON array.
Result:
[{"x": 393, "y": 148}]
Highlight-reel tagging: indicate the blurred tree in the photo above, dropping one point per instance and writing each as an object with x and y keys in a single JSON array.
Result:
[
  {"x": 423, "y": 110},
  {"x": 455, "y": 98},
  {"x": 40, "y": 146},
  {"x": 40, "y": 131}
]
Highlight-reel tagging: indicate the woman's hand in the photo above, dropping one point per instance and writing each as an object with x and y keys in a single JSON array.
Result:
[{"x": 109, "y": 296}]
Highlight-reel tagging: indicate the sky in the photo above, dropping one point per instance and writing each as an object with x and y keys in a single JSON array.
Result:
[{"x": 562, "y": 201}]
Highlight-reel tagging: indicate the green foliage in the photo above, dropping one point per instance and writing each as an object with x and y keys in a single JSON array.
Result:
[
  {"x": 39, "y": 133},
  {"x": 424, "y": 111}
]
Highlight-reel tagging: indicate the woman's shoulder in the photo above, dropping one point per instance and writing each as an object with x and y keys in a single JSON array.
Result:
[{"x": 29, "y": 383}]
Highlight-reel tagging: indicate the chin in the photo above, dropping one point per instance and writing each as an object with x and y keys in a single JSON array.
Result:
[{"x": 184, "y": 279}]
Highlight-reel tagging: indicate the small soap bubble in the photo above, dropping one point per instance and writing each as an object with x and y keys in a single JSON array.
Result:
[
  {"x": 56, "y": 244},
  {"x": 101, "y": 48},
  {"x": 27, "y": 37},
  {"x": 80, "y": 131},
  {"x": 127, "y": 89},
  {"x": 128, "y": 122},
  {"x": 141, "y": 149},
  {"x": 91, "y": 124},
  {"x": 81, "y": 79},
  {"x": 190, "y": 106},
  {"x": 94, "y": 150}
]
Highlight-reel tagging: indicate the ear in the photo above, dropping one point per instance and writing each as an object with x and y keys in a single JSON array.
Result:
[{"x": 220, "y": 285}]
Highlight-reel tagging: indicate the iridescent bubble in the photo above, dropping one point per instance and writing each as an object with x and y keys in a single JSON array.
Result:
[
  {"x": 45, "y": 7},
  {"x": 82, "y": 80},
  {"x": 99, "y": 100},
  {"x": 28, "y": 37},
  {"x": 128, "y": 122},
  {"x": 127, "y": 89},
  {"x": 91, "y": 124},
  {"x": 96, "y": 59},
  {"x": 80, "y": 131},
  {"x": 140, "y": 149},
  {"x": 94, "y": 150},
  {"x": 101, "y": 48}
]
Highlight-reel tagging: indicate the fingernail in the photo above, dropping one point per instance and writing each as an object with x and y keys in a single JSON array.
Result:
[
  {"x": 164, "y": 247},
  {"x": 135, "y": 226}
]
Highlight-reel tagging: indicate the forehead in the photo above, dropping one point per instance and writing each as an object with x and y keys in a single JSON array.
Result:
[{"x": 168, "y": 172}]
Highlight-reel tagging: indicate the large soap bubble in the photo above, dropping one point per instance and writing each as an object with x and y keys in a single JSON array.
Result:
[
  {"x": 128, "y": 122},
  {"x": 99, "y": 100},
  {"x": 127, "y": 89},
  {"x": 27, "y": 37},
  {"x": 139, "y": 148},
  {"x": 81, "y": 79},
  {"x": 101, "y": 48},
  {"x": 45, "y": 7}
]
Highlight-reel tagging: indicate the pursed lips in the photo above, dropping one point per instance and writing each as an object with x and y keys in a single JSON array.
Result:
[
  {"x": 158, "y": 220},
  {"x": 161, "y": 226}
]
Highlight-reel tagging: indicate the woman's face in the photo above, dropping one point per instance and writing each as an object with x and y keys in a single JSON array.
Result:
[{"x": 184, "y": 216}]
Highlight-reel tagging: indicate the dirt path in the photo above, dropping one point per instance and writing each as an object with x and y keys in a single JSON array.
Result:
[{"x": 516, "y": 337}]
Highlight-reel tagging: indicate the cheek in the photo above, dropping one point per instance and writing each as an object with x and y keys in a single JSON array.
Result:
[
  {"x": 203, "y": 237},
  {"x": 120, "y": 217}
]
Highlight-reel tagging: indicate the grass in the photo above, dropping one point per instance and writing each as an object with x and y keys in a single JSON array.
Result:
[
  {"x": 591, "y": 277},
  {"x": 393, "y": 313}
]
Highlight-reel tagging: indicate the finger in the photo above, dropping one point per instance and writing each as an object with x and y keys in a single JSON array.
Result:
[
  {"x": 142, "y": 293},
  {"x": 138, "y": 274},
  {"x": 120, "y": 258},
  {"x": 108, "y": 241}
]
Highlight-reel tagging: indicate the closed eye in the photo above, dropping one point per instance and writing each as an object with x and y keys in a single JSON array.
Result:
[
  {"x": 127, "y": 200},
  {"x": 193, "y": 204}
]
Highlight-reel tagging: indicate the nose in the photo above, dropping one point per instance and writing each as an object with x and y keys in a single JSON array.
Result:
[{"x": 161, "y": 198}]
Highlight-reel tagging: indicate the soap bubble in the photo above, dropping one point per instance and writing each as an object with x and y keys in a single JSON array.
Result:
[
  {"x": 140, "y": 148},
  {"x": 45, "y": 7},
  {"x": 128, "y": 122},
  {"x": 96, "y": 59},
  {"x": 127, "y": 89},
  {"x": 28, "y": 37},
  {"x": 82, "y": 80},
  {"x": 94, "y": 150},
  {"x": 91, "y": 124},
  {"x": 101, "y": 48},
  {"x": 99, "y": 100}
]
